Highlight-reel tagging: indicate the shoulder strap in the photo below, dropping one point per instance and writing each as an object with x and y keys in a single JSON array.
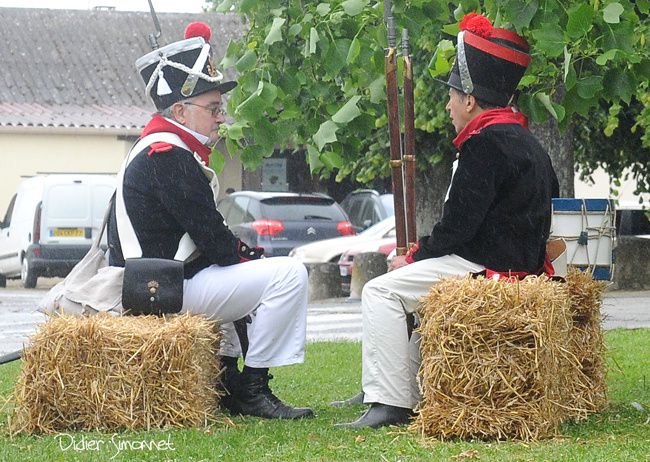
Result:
[
  {"x": 97, "y": 242},
  {"x": 128, "y": 239}
]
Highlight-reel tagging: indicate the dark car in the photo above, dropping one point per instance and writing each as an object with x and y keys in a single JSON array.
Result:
[
  {"x": 281, "y": 221},
  {"x": 632, "y": 218},
  {"x": 365, "y": 207}
]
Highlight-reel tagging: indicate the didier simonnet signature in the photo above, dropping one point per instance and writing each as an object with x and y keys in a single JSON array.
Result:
[{"x": 82, "y": 443}]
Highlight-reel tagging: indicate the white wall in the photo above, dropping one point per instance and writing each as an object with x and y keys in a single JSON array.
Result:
[
  {"x": 33, "y": 151},
  {"x": 30, "y": 153},
  {"x": 601, "y": 189}
]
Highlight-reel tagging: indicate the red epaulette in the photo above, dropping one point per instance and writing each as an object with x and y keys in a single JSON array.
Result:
[{"x": 160, "y": 146}]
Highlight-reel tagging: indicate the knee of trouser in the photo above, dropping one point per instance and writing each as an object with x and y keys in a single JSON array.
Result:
[
  {"x": 301, "y": 272},
  {"x": 292, "y": 270},
  {"x": 298, "y": 270},
  {"x": 371, "y": 287}
]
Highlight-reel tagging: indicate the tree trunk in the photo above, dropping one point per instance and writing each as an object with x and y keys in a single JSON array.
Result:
[
  {"x": 431, "y": 187},
  {"x": 559, "y": 145}
]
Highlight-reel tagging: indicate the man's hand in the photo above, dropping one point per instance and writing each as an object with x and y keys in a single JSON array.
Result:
[{"x": 397, "y": 262}]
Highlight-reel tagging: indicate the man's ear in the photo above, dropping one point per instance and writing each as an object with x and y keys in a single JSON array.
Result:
[
  {"x": 178, "y": 112},
  {"x": 470, "y": 103}
]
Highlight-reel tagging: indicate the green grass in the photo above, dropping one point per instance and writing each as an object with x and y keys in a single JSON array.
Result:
[{"x": 332, "y": 371}]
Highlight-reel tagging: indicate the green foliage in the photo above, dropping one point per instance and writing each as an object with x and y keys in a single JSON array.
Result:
[
  {"x": 312, "y": 76},
  {"x": 611, "y": 139},
  {"x": 590, "y": 59},
  {"x": 302, "y": 83},
  {"x": 312, "y": 73},
  {"x": 584, "y": 54}
]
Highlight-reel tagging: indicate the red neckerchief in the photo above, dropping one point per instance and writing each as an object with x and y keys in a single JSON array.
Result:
[
  {"x": 487, "y": 118},
  {"x": 159, "y": 124}
]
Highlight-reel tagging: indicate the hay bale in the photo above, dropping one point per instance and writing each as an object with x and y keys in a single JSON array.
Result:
[
  {"x": 494, "y": 364},
  {"x": 587, "y": 392},
  {"x": 113, "y": 373}
]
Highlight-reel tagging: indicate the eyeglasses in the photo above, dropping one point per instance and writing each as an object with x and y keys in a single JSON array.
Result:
[{"x": 214, "y": 110}]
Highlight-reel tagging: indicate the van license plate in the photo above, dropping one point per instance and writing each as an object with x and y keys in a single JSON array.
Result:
[{"x": 68, "y": 232}]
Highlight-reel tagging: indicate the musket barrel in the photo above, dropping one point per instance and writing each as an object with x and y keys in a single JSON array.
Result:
[{"x": 409, "y": 141}]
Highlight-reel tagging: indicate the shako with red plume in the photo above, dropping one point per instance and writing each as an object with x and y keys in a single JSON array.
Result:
[
  {"x": 489, "y": 61},
  {"x": 182, "y": 69}
]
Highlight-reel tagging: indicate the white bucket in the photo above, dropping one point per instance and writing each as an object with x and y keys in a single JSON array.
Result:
[{"x": 588, "y": 227}]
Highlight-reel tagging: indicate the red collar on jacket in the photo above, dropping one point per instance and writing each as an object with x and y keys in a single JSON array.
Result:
[
  {"x": 159, "y": 124},
  {"x": 490, "y": 117}
]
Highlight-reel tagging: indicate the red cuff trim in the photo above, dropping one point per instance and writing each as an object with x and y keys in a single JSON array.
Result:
[
  {"x": 507, "y": 276},
  {"x": 548, "y": 267},
  {"x": 409, "y": 255}
]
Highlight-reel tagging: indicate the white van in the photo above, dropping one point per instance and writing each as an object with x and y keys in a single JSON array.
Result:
[{"x": 50, "y": 224}]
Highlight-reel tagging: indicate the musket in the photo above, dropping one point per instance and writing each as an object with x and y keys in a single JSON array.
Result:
[
  {"x": 409, "y": 141},
  {"x": 390, "y": 63},
  {"x": 153, "y": 37}
]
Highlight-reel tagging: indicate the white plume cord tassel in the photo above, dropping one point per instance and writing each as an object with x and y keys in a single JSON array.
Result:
[{"x": 163, "y": 86}]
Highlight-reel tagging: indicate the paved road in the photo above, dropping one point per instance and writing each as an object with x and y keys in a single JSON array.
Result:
[
  {"x": 626, "y": 309},
  {"x": 341, "y": 318},
  {"x": 327, "y": 320}
]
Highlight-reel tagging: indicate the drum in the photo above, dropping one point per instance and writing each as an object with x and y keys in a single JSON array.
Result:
[{"x": 588, "y": 227}]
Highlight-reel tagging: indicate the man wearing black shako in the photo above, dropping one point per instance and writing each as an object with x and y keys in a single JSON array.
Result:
[
  {"x": 496, "y": 216},
  {"x": 165, "y": 207}
]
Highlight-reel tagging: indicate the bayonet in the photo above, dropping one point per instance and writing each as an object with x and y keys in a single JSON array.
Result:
[{"x": 153, "y": 37}]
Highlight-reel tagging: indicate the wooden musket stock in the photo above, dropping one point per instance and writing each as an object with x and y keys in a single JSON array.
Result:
[{"x": 394, "y": 134}]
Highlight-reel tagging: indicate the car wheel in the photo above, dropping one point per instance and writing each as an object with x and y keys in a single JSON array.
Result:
[
  {"x": 3, "y": 281},
  {"x": 27, "y": 275}
]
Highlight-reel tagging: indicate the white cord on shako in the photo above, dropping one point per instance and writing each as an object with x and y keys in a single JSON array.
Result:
[{"x": 163, "y": 86}]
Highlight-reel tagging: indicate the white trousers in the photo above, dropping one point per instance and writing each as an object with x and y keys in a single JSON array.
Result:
[
  {"x": 390, "y": 362},
  {"x": 273, "y": 291}
]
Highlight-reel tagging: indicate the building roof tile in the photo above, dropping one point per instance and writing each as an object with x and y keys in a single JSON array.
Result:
[{"x": 75, "y": 68}]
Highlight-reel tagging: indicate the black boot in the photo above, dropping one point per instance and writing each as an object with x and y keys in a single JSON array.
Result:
[
  {"x": 229, "y": 382},
  {"x": 381, "y": 415},
  {"x": 255, "y": 398},
  {"x": 356, "y": 399}
]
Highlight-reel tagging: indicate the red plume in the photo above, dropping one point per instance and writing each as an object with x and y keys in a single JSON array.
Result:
[
  {"x": 477, "y": 24},
  {"x": 198, "y": 29}
]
